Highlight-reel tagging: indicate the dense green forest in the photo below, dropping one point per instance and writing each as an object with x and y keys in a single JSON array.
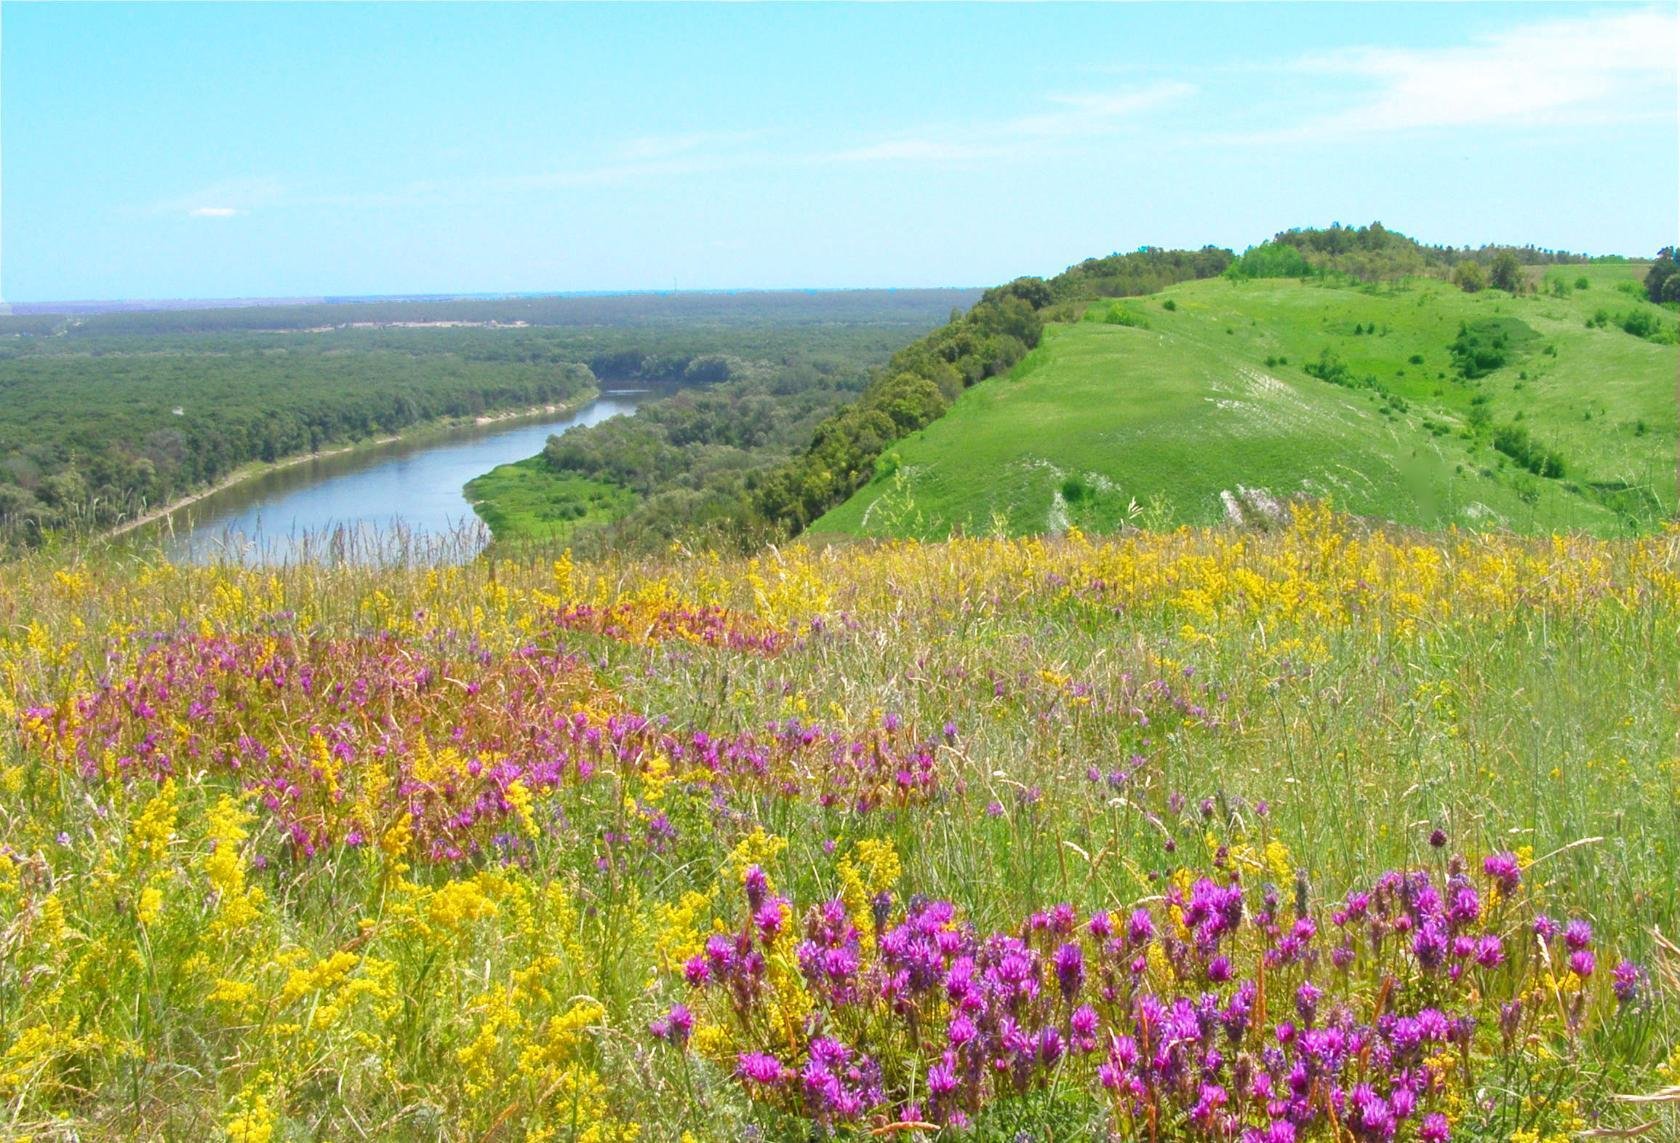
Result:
[
  {"x": 105, "y": 416},
  {"x": 687, "y": 462}
]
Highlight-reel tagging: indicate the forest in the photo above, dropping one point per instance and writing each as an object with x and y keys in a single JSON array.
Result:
[{"x": 107, "y": 416}]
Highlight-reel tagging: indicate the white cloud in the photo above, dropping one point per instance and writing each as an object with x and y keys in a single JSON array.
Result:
[
  {"x": 1603, "y": 68},
  {"x": 1073, "y": 118},
  {"x": 665, "y": 146},
  {"x": 223, "y": 199},
  {"x": 918, "y": 151}
]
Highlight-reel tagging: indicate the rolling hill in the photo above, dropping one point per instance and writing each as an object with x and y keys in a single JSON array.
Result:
[{"x": 1411, "y": 401}]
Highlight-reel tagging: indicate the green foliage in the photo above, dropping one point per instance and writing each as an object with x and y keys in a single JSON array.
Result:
[
  {"x": 1329, "y": 367},
  {"x": 526, "y": 501},
  {"x": 1515, "y": 442},
  {"x": 1469, "y": 277},
  {"x": 1270, "y": 260},
  {"x": 1487, "y": 344},
  {"x": 1144, "y": 271},
  {"x": 1505, "y": 273},
  {"x": 1376, "y": 254},
  {"x": 1662, "y": 280},
  {"x": 1644, "y": 323},
  {"x": 1121, "y": 314}
]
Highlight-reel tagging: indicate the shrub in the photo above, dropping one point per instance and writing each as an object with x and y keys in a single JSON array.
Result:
[{"x": 1514, "y": 441}]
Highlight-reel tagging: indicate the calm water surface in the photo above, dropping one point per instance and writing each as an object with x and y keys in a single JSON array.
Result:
[{"x": 396, "y": 501}]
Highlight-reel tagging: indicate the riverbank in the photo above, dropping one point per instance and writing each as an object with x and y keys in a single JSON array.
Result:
[{"x": 419, "y": 433}]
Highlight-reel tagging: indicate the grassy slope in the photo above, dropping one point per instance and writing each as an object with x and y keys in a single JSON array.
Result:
[
  {"x": 525, "y": 501},
  {"x": 1174, "y": 413}
]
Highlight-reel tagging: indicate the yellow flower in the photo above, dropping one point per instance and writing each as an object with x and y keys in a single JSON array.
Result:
[
  {"x": 251, "y": 1120},
  {"x": 149, "y": 905}
]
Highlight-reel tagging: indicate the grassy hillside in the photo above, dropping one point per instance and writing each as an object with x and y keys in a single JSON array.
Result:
[
  {"x": 1055, "y": 839},
  {"x": 1172, "y": 400}
]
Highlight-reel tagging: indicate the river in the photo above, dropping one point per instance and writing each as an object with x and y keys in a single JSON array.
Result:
[{"x": 396, "y": 501}]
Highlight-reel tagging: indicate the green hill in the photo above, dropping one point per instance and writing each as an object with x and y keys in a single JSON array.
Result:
[{"x": 1411, "y": 401}]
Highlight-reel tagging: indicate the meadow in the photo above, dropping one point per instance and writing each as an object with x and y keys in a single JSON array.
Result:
[
  {"x": 1320, "y": 832},
  {"x": 1174, "y": 408}
]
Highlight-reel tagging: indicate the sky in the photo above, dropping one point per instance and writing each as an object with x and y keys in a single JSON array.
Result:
[{"x": 214, "y": 150}]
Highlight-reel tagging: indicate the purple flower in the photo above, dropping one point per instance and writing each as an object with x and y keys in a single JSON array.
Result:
[
  {"x": 674, "y": 1027},
  {"x": 941, "y": 1080},
  {"x": 1069, "y": 963},
  {"x": 1140, "y": 929},
  {"x": 1306, "y": 1001},
  {"x": 1434, "y": 1129},
  {"x": 1582, "y": 963},
  {"x": 1429, "y": 944},
  {"x": 1490, "y": 952},
  {"x": 1625, "y": 979},
  {"x": 1577, "y": 935},
  {"x": 1544, "y": 927},
  {"x": 1438, "y": 838},
  {"x": 761, "y": 1068},
  {"x": 770, "y": 918},
  {"x": 1503, "y": 868},
  {"x": 1083, "y": 1026}
]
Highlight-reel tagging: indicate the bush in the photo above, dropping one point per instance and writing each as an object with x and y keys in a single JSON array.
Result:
[
  {"x": 1514, "y": 442},
  {"x": 1169, "y": 304},
  {"x": 1468, "y": 276},
  {"x": 1488, "y": 343},
  {"x": 1329, "y": 367},
  {"x": 1120, "y": 314}
]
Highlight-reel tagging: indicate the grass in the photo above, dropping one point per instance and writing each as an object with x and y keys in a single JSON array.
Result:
[
  {"x": 527, "y": 502},
  {"x": 278, "y": 858},
  {"x": 1170, "y": 407}
]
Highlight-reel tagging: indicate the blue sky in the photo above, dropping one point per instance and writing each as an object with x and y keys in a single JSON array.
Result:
[{"x": 219, "y": 150}]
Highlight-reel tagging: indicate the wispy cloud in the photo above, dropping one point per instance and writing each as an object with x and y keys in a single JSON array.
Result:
[
  {"x": 665, "y": 146},
  {"x": 1070, "y": 118},
  {"x": 223, "y": 199},
  {"x": 1603, "y": 68}
]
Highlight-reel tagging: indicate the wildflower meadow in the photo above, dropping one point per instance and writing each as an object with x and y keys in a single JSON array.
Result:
[{"x": 1318, "y": 833}]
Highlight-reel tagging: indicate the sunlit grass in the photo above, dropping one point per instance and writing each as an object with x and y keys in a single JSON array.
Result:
[{"x": 412, "y": 851}]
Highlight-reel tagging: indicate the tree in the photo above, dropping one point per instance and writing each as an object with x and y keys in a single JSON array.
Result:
[
  {"x": 1506, "y": 273},
  {"x": 1468, "y": 276},
  {"x": 1660, "y": 279}
]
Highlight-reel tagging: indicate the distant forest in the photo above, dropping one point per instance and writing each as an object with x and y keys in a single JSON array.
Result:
[{"x": 104, "y": 416}]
